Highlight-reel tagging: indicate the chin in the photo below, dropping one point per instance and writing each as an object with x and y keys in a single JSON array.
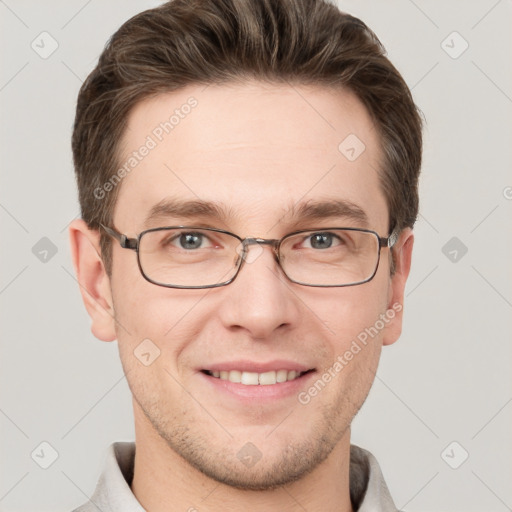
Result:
[
  {"x": 289, "y": 465},
  {"x": 246, "y": 467}
]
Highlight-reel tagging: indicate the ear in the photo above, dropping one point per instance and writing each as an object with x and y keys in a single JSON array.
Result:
[
  {"x": 402, "y": 253},
  {"x": 93, "y": 279}
]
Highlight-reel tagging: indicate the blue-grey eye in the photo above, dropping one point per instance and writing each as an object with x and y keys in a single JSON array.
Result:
[
  {"x": 321, "y": 240},
  {"x": 191, "y": 240}
]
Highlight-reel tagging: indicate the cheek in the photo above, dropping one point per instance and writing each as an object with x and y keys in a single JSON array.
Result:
[
  {"x": 153, "y": 319},
  {"x": 153, "y": 335},
  {"x": 348, "y": 313}
]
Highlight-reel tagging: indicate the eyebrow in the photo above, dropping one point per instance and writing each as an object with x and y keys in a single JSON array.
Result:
[
  {"x": 182, "y": 209},
  {"x": 312, "y": 210},
  {"x": 334, "y": 208}
]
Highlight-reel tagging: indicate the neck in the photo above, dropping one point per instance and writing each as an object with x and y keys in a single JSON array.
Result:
[{"x": 164, "y": 481}]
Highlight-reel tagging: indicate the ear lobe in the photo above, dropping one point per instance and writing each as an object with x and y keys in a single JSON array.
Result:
[
  {"x": 93, "y": 279},
  {"x": 402, "y": 253}
]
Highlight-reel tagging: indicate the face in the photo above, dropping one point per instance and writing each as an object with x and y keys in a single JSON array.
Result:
[{"x": 258, "y": 152}]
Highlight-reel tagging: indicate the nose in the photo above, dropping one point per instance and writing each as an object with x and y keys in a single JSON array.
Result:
[{"x": 260, "y": 300}]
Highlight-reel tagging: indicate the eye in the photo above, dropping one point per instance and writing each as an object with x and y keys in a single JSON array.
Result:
[
  {"x": 189, "y": 241},
  {"x": 322, "y": 240}
]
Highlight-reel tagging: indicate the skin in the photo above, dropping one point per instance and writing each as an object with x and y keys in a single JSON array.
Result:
[{"x": 256, "y": 149}]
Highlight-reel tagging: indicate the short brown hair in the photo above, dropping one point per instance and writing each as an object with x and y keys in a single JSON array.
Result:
[{"x": 186, "y": 42}]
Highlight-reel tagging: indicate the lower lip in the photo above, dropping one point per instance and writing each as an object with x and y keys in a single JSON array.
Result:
[{"x": 259, "y": 392}]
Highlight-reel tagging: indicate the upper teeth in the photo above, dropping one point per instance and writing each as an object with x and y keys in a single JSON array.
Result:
[{"x": 253, "y": 378}]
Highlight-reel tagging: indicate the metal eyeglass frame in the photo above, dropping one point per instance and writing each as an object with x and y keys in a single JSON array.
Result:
[{"x": 133, "y": 244}]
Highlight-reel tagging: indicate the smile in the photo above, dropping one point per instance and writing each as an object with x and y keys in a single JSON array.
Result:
[{"x": 254, "y": 378}]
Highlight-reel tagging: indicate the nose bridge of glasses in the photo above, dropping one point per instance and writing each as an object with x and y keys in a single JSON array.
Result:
[
  {"x": 274, "y": 243},
  {"x": 261, "y": 241}
]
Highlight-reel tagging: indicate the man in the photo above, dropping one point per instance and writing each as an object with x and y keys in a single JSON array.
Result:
[{"x": 247, "y": 174}]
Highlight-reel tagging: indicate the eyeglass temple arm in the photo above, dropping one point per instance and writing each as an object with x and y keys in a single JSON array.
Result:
[
  {"x": 390, "y": 241},
  {"x": 124, "y": 241}
]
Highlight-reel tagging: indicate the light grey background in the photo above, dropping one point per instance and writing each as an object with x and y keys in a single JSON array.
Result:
[{"x": 449, "y": 377}]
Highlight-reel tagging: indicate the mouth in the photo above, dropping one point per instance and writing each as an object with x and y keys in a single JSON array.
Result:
[
  {"x": 255, "y": 378},
  {"x": 256, "y": 382}
]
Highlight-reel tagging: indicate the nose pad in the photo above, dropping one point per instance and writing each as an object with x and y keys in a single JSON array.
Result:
[
  {"x": 239, "y": 251},
  {"x": 249, "y": 254}
]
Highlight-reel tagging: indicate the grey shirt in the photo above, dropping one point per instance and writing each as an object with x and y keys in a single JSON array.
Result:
[{"x": 368, "y": 491}]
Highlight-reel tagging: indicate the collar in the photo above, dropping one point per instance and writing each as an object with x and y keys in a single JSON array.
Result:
[{"x": 368, "y": 491}]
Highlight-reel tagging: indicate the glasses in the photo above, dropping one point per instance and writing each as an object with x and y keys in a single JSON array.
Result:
[{"x": 197, "y": 257}]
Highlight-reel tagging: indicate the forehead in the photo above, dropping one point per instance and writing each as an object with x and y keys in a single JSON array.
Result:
[{"x": 258, "y": 151}]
